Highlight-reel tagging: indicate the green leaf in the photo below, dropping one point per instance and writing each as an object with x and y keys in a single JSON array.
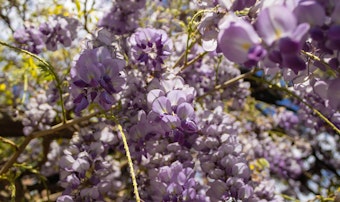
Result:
[{"x": 45, "y": 72}]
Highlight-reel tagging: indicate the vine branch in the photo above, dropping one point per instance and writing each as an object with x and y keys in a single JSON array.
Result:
[
  {"x": 318, "y": 113},
  {"x": 43, "y": 133}
]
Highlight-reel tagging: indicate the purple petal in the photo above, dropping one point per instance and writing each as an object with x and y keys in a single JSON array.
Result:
[
  {"x": 106, "y": 98},
  {"x": 236, "y": 40},
  {"x": 189, "y": 126},
  {"x": 217, "y": 189},
  {"x": 245, "y": 192},
  {"x": 294, "y": 62},
  {"x": 81, "y": 103},
  {"x": 162, "y": 105},
  {"x": 153, "y": 94},
  {"x": 320, "y": 88},
  {"x": 80, "y": 83},
  {"x": 171, "y": 122},
  {"x": 336, "y": 13},
  {"x": 334, "y": 32},
  {"x": 287, "y": 45},
  {"x": 272, "y": 25},
  {"x": 81, "y": 165},
  {"x": 333, "y": 93},
  {"x": 241, "y": 170},
  {"x": 176, "y": 97},
  {"x": 310, "y": 11},
  {"x": 181, "y": 178},
  {"x": 184, "y": 111},
  {"x": 300, "y": 32}
]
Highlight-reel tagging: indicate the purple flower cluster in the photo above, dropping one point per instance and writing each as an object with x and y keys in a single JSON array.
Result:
[
  {"x": 323, "y": 18},
  {"x": 39, "y": 115},
  {"x": 123, "y": 16},
  {"x": 242, "y": 42},
  {"x": 268, "y": 39},
  {"x": 60, "y": 29},
  {"x": 150, "y": 47},
  {"x": 210, "y": 72},
  {"x": 284, "y": 35},
  {"x": 285, "y": 155},
  {"x": 87, "y": 172},
  {"x": 175, "y": 183},
  {"x": 172, "y": 111},
  {"x": 283, "y": 161},
  {"x": 221, "y": 158},
  {"x": 324, "y": 96},
  {"x": 30, "y": 39},
  {"x": 239, "y": 41},
  {"x": 96, "y": 78},
  {"x": 286, "y": 119},
  {"x": 171, "y": 119},
  {"x": 327, "y": 149}
]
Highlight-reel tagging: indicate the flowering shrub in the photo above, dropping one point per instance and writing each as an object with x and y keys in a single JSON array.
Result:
[{"x": 141, "y": 100}]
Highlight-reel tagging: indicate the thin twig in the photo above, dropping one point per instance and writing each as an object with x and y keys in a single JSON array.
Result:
[
  {"x": 181, "y": 57},
  {"x": 128, "y": 155},
  {"x": 316, "y": 58},
  {"x": 198, "y": 57},
  {"x": 289, "y": 198},
  {"x": 85, "y": 17},
  {"x": 6, "y": 19},
  {"x": 43, "y": 133},
  {"x": 10, "y": 142},
  {"x": 225, "y": 84}
]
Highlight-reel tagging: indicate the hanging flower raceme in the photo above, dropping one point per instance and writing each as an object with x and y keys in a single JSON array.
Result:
[
  {"x": 58, "y": 30},
  {"x": 123, "y": 16},
  {"x": 96, "y": 77},
  {"x": 172, "y": 107},
  {"x": 61, "y": 30},
  {"x": 86, "y": 171},
  {"x": 30, "y": 39},
  {"x": 150, "y": 47}
]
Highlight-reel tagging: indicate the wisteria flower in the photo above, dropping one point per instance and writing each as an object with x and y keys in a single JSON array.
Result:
[
  {"x": 284, "y": 35},
  {"x": 96, "y": 77},
  {"x": 150, "y": 47},
  {"x": 238, "y": 41}
]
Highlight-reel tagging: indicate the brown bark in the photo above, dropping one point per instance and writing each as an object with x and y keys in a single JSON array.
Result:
[{"x": 10, "y": 127}]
